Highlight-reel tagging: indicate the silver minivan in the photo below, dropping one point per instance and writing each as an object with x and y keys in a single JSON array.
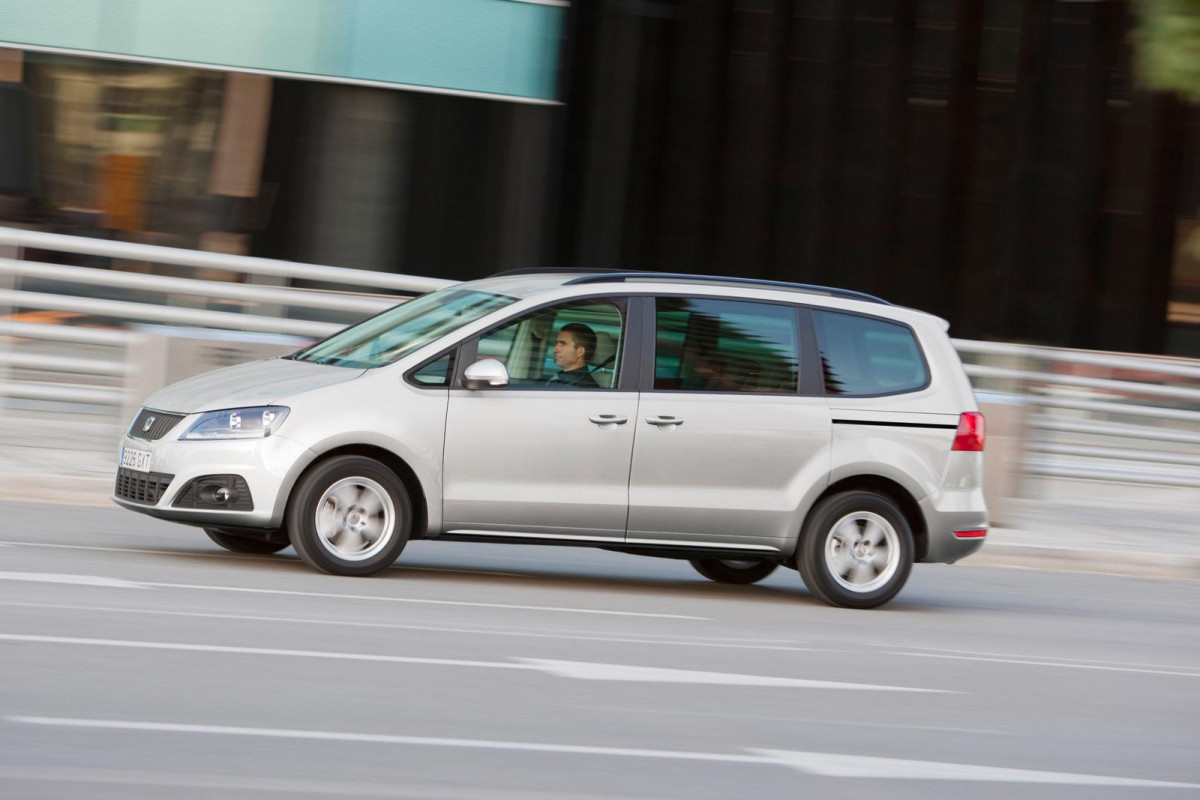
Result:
[{"x": 739, "y": 424}]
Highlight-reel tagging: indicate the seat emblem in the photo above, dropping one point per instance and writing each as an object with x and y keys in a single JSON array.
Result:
[{"x": 148, "y": 423}]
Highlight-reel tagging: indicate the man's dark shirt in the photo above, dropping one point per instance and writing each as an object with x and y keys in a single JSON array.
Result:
[{"x": 576, "y": 377}]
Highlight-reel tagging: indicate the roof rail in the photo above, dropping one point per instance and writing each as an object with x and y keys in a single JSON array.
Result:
[
  {"x": 550, "y": 271},
  {"x": 847, "y": 294}
]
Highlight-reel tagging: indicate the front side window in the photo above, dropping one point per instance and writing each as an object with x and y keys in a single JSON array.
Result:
[
  {"x": 704, "y": 345},
  {"x": 575, "y": 346},
  {"x": 401, "y": 330},
  {"x": 868, "y": 356}
]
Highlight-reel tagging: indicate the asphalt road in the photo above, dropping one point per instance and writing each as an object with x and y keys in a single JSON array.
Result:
[{"x": 138, "y": 660}]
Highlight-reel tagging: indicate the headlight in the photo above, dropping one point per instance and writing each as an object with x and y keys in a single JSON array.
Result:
[{"x": 238, "y": 423}]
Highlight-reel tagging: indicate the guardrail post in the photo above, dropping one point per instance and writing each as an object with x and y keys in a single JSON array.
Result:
[
  {"x": 1002, "y": 457},
  {"x": 145, "y": 372},
  {"x": 7, "y": 282}
]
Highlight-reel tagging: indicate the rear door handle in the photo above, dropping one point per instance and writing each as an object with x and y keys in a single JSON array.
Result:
[
  {"x": 608, "y": 419},
  {"x": 664, "y": 421}
]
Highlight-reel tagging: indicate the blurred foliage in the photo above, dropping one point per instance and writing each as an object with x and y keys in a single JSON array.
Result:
[{"x": 1166, "y": 41}]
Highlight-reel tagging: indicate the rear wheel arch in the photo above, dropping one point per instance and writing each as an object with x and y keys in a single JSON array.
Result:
[{"x": 894, "y": 492}]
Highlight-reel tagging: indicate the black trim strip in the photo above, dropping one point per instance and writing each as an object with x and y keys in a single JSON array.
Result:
[{"x": 895, "y": 424}]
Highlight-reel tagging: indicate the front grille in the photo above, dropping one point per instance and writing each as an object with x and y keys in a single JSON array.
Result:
[
  {"x": 160, "y": 423},
  {"x": 141, "y": 487}
]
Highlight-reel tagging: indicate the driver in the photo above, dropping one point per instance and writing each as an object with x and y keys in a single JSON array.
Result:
[{"x": 573, "y": 349}]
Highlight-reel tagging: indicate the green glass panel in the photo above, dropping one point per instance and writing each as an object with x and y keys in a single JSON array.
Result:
[{"x": 498, "y": 47}]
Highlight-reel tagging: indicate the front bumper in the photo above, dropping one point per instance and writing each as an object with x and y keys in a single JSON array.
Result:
[{"x": 265, "y": 464}]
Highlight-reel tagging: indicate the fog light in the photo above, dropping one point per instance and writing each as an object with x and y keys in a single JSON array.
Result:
[
  {"x": 225, "y": 492},
  {"x": 217, "y": 494}
]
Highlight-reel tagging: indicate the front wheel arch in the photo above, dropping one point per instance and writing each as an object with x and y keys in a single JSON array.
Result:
[
  {"x": 416, "y": 492},
  {"x": 382, "y": 502}
]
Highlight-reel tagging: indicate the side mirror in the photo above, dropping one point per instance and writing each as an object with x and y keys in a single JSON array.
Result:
[{"x": 485, "y": 373}]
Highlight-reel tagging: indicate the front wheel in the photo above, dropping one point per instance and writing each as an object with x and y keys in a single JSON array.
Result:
[
  {"x": 349, "y": 515},
  {"x": 856, "y": 550},
  {"x": 240, "y": 543},
  {"x": 737, "y": 571}
]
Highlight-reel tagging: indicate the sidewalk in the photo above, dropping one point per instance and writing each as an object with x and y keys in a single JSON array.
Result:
[
  {"x": 1107, "y": 552},
  {"x": 1138, "y": 540}
]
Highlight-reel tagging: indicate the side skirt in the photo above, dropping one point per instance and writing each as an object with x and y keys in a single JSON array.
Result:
[{"x": 655, "y": 547}]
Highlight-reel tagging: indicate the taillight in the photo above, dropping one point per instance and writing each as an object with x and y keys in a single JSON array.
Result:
[{"x": 971, "y": 432}]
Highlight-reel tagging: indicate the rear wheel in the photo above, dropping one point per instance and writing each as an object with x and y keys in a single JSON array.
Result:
[
  {"x": 856, "y": 550},
  {"x": 739, "y": 571},
  {"x": 243, "y": 543},
  {"x": 349, "y": 515}
]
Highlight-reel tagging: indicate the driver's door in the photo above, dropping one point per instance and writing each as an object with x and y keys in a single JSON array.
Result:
[{"x": 537, "y": 460}]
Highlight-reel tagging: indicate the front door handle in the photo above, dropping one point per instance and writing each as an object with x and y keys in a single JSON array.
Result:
[
  {"x": 664, "y": 421},
  {"x": 608, "y": 419}
]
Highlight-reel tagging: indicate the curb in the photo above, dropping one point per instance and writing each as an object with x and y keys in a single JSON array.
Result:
[
  {"x": 1094, "y": 561},
  {"x": 58, "y": 489}
]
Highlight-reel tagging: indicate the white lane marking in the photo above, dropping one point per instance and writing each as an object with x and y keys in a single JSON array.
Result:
[
  {"x": 856, "y": 766},
  {"x": 578, "y": 670},
  {"x": 587, "y": 671},
  {"x": 78, "y": 580},
  {"x": 790, "y": 718},
  {"x": 621, "y": 639},
  {"x": 1102, "y": 662},
  {"x": 824, "y": 764},
  {"x": 260, "y": 651},
  {"x": 233, "y": 556},
  {"x": 376, "y": 738},
  {"x": 287, "y": 786},
  {"x": 135, "y": 550},
  {"x": 556, "y": 609},
  {"x": 1029, "y": 662}
]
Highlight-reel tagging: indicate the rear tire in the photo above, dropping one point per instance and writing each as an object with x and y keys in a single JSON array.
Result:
[
  {"x": 241, "y": 543},
  {"x": 733, "y": 571},
  {"x": 856, "y": 550},
  {"x": 349, "y": 515}
]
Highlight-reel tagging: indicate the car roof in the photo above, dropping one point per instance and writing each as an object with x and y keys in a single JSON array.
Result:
[
  {"x": 528, "y": 283},
  {"x": 574, "y": 277}
]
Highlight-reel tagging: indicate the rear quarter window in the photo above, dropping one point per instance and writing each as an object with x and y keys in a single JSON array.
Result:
[{"x": 868, "y": 356}]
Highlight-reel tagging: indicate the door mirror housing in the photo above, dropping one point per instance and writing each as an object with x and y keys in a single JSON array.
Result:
[{"x": 486, "y": 373}]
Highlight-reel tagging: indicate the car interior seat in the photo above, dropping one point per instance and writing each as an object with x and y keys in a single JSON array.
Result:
[{"x": 603, "y": 359}]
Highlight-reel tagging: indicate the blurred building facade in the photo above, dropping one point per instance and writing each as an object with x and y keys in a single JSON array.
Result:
[{"x": 991, "y": 161}]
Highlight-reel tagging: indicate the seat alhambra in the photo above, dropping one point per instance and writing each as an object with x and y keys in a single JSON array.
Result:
[{"x": 742, "y": 425}]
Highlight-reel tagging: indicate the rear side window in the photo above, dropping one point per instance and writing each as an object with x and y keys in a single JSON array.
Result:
[
  {"x": 868, "y": 356},
  {"x": 704, "y": 345}
]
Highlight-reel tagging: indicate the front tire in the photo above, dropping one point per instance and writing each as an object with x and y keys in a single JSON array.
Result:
[
  {"x": 237, "y": 543},
  {"x": 733, "y": 571},
  {"x": 856, "y": 550},
  {"x": 349, "y": 515}
]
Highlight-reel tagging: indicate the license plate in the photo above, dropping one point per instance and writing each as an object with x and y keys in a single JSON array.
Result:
[{"x": 135, "y": 459}]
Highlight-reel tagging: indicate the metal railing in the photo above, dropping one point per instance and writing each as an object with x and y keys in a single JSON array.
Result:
[
  {"x": 1097, "y": 416},
  {"x": 66, "y": 391},
  {"x": 188, "y": 300},
  {"x": 1132, "y": 420}
]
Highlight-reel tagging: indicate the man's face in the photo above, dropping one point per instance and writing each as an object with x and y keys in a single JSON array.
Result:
[{"x": 568, "y": 354}]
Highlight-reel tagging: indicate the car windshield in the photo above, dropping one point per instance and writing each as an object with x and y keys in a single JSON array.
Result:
[{"x": 398, "y": 331}]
